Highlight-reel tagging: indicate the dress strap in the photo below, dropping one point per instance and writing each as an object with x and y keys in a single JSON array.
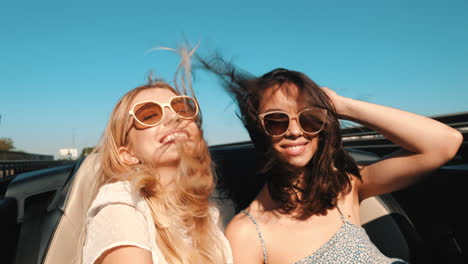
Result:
[
  {"x": 262, "y": 241},
  {"x": 343, "y": 217}
]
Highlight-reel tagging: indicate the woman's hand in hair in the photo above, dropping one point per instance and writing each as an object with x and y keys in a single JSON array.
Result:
[{"x": 335, "y": 99}]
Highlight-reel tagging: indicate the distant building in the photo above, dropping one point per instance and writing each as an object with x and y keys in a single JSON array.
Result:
[{"x": 68, "y": 153}]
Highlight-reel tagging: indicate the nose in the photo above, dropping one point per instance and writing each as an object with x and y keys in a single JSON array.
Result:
[
  {"x": 294, "y": 130},
  {"x": 169, "y": 116}
]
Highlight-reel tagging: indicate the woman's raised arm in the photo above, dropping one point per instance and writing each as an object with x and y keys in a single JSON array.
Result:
[{"x": 426, "y": 144}]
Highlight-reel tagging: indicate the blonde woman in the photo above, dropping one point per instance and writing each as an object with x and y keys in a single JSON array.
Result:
[{"x": 156, "y": 179}]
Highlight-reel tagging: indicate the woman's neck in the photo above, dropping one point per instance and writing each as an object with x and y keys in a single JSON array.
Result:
[
  {"x": 299, "y": 182},
  {"x": 167, "y": 175},
  {"x": 266, "y": 201}
]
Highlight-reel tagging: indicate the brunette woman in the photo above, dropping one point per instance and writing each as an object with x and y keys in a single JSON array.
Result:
[{"x": 307, "y": 210}]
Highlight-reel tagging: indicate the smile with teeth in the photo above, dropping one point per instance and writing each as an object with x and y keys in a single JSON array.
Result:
[
  {"x": 295, "y": 149},
  {"x": 173, "y": 136}
]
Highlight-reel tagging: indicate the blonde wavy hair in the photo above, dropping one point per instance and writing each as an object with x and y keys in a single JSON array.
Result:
[{"x": 186, "y": 204}]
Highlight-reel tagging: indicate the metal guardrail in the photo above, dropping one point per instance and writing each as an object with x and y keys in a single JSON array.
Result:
[
  {"x": 11, "y": 168},
  {"x": 456, "y": 120},
  {"x": 18, "y": 155},
  {"x": 364, "y": 138}
]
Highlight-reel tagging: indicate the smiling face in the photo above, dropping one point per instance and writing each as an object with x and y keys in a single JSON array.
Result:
[
  {"x": 295, "y": 146},
  {"x": 157, "y": 145}
]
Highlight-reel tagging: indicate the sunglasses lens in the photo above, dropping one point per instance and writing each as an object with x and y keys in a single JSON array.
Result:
[
  {"x": 311, "y": 120},
  {"x": 276, "y": 123},
  {"x": 184, "y": 106},
  {"x": 149, "y": 113}
]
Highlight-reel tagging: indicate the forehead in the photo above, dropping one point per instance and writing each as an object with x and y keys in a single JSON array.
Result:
[
  {"x": 161, "y": 95},
  {"x": 286, "y": 97}
]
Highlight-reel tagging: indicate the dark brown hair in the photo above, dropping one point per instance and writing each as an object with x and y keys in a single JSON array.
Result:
[{"x": 327, "y": 174}]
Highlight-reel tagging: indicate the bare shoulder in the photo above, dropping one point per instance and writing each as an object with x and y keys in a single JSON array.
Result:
[
  {"x": 241, "y": 226},
  {"x": 126, "y": 254},
  {"x": 245, "y": 243}
]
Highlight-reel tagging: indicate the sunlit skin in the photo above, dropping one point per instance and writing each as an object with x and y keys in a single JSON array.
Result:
[
  {"x": 157, "y": 144},
  {"x": 296, "y": 147}
]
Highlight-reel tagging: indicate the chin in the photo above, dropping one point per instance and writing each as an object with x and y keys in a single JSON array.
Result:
[
  {"x": 298, "y": 162},
  {"x": 167, "y": 162}
]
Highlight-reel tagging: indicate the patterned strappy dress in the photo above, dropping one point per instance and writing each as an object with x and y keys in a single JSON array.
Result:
[{"x": 350, "y": 244}]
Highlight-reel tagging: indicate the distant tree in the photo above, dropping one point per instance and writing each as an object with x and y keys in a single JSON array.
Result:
[
  {"x": 6, "y": 144},
  {"x": 86, "y": 151}
]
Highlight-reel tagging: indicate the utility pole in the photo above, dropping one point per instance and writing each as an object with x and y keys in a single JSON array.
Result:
[{"x": 73, "y": 140}]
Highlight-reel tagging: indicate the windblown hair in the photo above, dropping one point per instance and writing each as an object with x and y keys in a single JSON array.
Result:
[
  {"x": 187, "y": 204},
  {"x": 327, "y": 174}
]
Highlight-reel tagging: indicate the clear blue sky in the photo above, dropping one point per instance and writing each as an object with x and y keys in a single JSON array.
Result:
[{"x": 62, "y": 68}]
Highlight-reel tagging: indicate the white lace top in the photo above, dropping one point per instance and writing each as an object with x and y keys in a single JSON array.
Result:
[{"x": 120, "y": 217}]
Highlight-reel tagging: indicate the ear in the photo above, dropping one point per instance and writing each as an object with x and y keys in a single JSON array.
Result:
[{"x": 127, "y": 156}]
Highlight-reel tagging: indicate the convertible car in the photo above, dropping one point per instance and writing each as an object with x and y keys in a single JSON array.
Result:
[{"x": 42, "y": 212}]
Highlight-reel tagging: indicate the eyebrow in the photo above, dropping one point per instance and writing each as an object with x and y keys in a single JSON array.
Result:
[
  {"x": 282, "y": 110},
  {"x": 274, "y": 109}
]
